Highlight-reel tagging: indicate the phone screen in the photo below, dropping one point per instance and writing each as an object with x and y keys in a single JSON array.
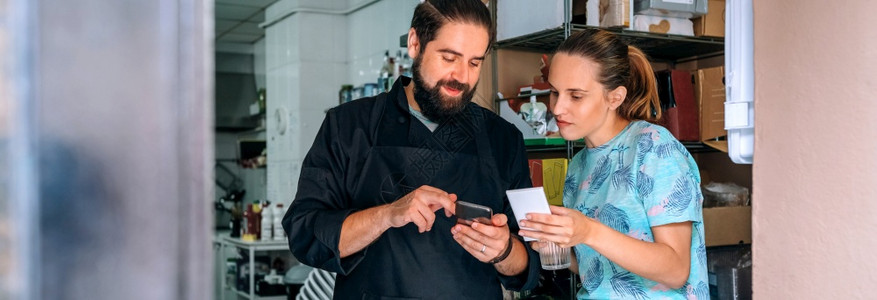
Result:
[{"x": 471, "y": 212}]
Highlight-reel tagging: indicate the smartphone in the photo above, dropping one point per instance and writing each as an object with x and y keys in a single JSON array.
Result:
[{"x": 471, "y": 212}]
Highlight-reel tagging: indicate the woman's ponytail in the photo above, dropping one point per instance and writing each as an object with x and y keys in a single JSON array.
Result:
[
  {"x": 642, "y": 101},
  {"x": 620, "y": 65}
]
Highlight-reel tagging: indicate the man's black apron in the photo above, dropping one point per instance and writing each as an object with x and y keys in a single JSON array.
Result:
[{"x": 456, "y": 157}]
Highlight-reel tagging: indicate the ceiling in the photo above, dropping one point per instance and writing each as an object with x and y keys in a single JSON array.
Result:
[{"x": 237, "y": 21}]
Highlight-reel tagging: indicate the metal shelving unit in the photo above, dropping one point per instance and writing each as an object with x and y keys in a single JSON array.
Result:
[
  {"x": 659, "y": 47},
  {"x": 252, "y": 248},
  {"x": 523, "y": 96}
]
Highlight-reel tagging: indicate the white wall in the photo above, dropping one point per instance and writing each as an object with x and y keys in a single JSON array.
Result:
[
  {"x": 374, "y": 30},
  {"x": 815, "y": 166},
  {"x": 259, "y": 63},
  {"x": 309, "y": 56},
  {"x": 305, "y": 66}
]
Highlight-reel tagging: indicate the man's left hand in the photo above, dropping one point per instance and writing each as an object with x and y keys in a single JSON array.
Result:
[{"x": 484, "y": 241}]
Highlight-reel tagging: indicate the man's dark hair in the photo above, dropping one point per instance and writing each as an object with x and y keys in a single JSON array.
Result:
[{"x": 431, "y": 15}]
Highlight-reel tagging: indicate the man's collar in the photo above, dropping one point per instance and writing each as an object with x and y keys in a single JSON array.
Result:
[{"x": 398, "y": 91}]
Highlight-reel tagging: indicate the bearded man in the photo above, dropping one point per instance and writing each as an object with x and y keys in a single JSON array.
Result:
[{"x": 382, "y": 168}]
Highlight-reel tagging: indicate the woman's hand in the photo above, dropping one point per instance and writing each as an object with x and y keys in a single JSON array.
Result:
[{"x": 565, "y": 227}]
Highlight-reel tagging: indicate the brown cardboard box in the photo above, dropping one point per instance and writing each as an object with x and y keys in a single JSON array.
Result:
[
  {"x": 553, "y": 176},
  {"x": 614, "y": 13},
  {"x": 709, "y": 91},
  {"x": 535, "y": 171},
  {"x": 727, "y": 225},
  {"x": 515, "y": 69},
  {"x": 713, "y": 23},
  {"x": 680, "y": 114}
]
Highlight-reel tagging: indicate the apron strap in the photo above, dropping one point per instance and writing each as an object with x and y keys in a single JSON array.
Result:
[
  {"x": 488, "y": 166},
  {"x": 378, "y": 115}
]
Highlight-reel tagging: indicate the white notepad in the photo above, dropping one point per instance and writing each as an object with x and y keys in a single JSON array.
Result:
[{"x": 525, "y": 201}]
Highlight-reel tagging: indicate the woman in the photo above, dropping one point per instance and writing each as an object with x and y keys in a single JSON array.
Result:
[{"x": 632, "y": 202}]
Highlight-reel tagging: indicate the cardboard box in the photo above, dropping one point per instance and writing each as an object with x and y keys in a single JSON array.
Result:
[
  {"x": 514, "y": 69},
  {"x": 614, "y": 13},
  {"x": 713, "y": 23},
  {"x": 709, "y": 92},
  {"x": 671, "y": 8},
  {"x": 727, "y": 225},
  {"x": 553, "y": 176},
  {"x": 663, "y": 25},
  {"x": 535, "y": 171},
  {"x": 680, "y": 114}
]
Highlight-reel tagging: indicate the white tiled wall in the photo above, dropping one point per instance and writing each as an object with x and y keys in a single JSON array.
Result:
[
  {"x": 323, "y": 38},
  {"x": 309, "y": 56},
  {"x": 374, "y": 30},
  {"x": 259, "y": 63},
  {"x": 321, "y": 82}
]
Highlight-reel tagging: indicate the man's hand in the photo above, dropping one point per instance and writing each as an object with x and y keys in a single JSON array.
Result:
[
  {"x": 419, "y": 207},
  {"x": 485, "y": 242}
]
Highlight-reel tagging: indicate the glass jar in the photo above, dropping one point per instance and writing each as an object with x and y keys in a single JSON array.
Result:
[
  {"x": 345, "y": 94},
  {"x": 356, "y": 93}
]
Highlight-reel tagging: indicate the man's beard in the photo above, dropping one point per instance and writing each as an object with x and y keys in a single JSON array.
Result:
[{"x": 433, "y": 104}]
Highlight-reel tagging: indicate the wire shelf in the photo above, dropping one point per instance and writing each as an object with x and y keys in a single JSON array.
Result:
[{"x": 659, "y": 47}]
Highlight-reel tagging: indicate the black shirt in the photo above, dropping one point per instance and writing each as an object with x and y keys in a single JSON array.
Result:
[{"x": 370, "y": 152}]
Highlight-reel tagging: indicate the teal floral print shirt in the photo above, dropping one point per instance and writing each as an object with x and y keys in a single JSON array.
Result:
[{"x": 640, "y": 179}]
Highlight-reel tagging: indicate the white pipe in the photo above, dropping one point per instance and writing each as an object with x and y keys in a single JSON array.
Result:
[
  {"x": 317, "y": 11},
  {"x": 739, "y": 81}
]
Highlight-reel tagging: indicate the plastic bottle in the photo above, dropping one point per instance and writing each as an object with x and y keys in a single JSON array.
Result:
[
  {"x": 385, "y": 79},
  {"x": 245, "y": 216},
  {"x": 406, "y": 65},
  {"x": 399, "y": 64},
  {"x": 257, "y": 208},
  {"x": 253, "y": 221},
  {"x": 248, "y": 224},
  {"x": 278, "y": 227},
  {"x": 534, "y": 114},
  {"x": 267, "y": 218},
  {"x": 345, "y": 94}
]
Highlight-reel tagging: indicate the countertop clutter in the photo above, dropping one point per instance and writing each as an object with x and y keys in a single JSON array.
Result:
[
  {"x": 256, "y": 269},
  {"x": 255, "y": 254}
]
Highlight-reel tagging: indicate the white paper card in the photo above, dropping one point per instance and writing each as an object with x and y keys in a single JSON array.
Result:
[{"x": 525, "y": 201}]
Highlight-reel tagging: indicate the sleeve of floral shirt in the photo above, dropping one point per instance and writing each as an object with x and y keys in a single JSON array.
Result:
[{"x": 668, "y": 182}]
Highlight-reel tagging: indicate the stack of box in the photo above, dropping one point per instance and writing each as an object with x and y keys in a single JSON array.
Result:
[
  {"x": 550, "y": 174},
  {"x": 694, "y": 112},
  {"x": 713, "y": 23},
  {"x": 667, "y": 16},
  {"x": 709, "y": 90},
  {"x": 671, "y": 8}
]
